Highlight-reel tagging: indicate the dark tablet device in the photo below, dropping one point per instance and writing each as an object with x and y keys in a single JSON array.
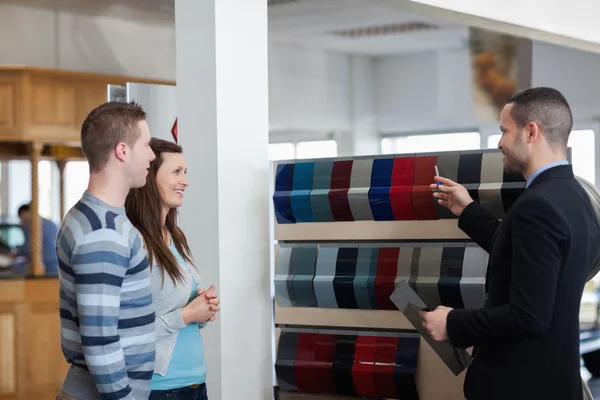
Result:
[{"x": 410, "y": 304}]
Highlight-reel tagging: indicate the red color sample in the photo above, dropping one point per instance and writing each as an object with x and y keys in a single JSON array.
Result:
[
  {"x": 322, "y": 364},
  {"x": 338, "y": 194},
  {"x": 387, "y": 268},
  {"x": 174, "y": 131},
  {"x": 422, "y": 195},
  {"x": 383, "y": 371},
  {"x": 402, "y": 183},
  {"x": 364, "y": 362},
  {"x": 304, "y": 369}
]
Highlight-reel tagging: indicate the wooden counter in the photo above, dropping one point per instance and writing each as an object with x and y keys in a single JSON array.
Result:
[
  {"x": 31, "y": 362},
  {"x": 48, "y": 105}
]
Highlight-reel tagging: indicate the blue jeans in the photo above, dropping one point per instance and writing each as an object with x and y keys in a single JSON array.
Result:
[{"x": 184, "y": 393}]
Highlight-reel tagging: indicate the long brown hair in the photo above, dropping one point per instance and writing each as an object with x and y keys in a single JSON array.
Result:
[{"x": 144, "y": 209}]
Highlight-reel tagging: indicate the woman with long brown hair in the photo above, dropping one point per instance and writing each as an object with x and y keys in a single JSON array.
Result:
[{"x": 182, "y": 307}]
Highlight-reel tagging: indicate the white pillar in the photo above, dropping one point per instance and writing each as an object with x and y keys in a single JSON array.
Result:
[
  {"x": 364, "y": 106},
  {"x": 364, "y": 138},
  {"x": 222, "y": 101}
]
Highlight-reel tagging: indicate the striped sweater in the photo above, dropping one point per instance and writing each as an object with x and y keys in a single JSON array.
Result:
[{"x": 106, "y": 310}]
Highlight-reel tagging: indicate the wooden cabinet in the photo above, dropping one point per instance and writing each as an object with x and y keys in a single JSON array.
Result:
[
  {"x": 31, "y": 362},
  {"x": 47, "y": 105}
]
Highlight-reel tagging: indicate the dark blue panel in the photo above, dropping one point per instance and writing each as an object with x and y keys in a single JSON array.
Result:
[
  {"x": 319, "y": 196},
  {"x": 405, "y": 369},
  {"x": 300, "y": 196},
  {"x": 379, "y": 193},
  {"x": 281, "y": 198},
  {"x": 345, "y": 271},
  {"x": 304, "y": 272}
]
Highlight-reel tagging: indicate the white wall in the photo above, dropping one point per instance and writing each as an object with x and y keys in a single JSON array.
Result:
[
  {"x": 308, "y": 90},
  {"x": 431, "y": 91},
  {"x": 425, "y": 91},
  {"x": 51, "y": 39},
  {"x": 573, "y": 72}
]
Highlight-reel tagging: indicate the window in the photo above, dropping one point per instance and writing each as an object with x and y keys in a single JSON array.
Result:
[
  {"x": 76, "y": 176},
  {"x": 317, "y": 149},
  {"x": 45, "y": 186},
  {"x": 431, "y": 142},
  {"x": 583, "y": 152},
  {"x": 282, "y": 151},
  {"x": 303, "y": 150}
]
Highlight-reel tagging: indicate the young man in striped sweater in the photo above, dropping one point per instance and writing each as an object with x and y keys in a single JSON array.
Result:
[{"x": 106, "y": 310}]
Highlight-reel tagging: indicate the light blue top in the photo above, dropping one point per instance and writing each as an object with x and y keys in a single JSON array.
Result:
[
  {"x": 544, "y": 168},
  {"x": 187, "y": 366}
]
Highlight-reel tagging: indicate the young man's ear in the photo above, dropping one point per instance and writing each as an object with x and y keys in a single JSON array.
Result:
[{"x": 121, "y": 151}]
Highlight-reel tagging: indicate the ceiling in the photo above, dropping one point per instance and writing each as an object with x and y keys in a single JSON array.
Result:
[{"x": 349, "y": 26}]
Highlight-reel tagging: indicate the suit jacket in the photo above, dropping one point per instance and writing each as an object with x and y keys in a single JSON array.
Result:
[{"x": 526, "y": 338}]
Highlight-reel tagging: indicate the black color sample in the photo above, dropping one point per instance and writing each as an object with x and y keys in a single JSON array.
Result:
[
  {"x": 342, "y": 365},
  {"x": 450, "y": 275},
  {"x": 343, "y": 282},
  {"x": 286, "y": 356}
]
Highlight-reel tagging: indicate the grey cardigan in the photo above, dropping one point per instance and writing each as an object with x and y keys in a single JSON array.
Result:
[{"x": 168, "y": 302}]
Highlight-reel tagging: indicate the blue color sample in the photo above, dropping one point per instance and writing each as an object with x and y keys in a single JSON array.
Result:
[
  {"x": 281, "y": 198},
  {"x": 300, "y": 196},
  {"x": 379, "y": 194},
  {"x": 319, "y": 196}
]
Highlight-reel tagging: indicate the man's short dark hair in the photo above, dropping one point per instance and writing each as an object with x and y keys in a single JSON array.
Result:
[
  {"x": 23, "y": 208},
  {"x": 106, "y": 126},
  {"x": 548, "y": 108}
]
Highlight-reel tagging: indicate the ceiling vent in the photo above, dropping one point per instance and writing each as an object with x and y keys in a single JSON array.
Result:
[
  {"x": 390, "y": 29},
  {"x": 280, "y": 2}
]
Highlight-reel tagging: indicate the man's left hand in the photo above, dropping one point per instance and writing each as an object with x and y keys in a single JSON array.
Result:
[{"x": 435, "y": 323}]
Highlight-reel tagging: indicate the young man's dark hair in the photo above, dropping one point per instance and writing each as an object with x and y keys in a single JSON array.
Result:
[
  {"x": 105, "y": 127},
  {"x": 23, "y": 208},
  {"x": 548, "y": 108}
]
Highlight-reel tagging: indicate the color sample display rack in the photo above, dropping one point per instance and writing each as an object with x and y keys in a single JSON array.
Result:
[{"x": 350, "y": 229}]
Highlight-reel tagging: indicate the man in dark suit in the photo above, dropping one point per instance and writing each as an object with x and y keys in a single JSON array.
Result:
[{"x": 526, "y": 338}]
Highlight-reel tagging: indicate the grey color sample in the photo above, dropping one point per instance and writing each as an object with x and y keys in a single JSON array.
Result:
[
  {"x": 371, "y": 280},
  {"x": 492, "y": 175},
  {"x": 472, "y": 282},
  {"x": 281, "y": 275},
  {"x": 358, "y": 194},
  {"x": 414, "y": 267},
  {"x": 490, "y": 197},
  {"x": 323, "y": 280},
  {"x": 430, "y": 262},
  {"x": 319, "y": 195},
  {"x": 405, "y": 260},
  {"x": 361, "y": 279},
  {"x": 492, "y": 167},
  {"x": 303, "y": 276},
  {"x": 447, "y": 164}
]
